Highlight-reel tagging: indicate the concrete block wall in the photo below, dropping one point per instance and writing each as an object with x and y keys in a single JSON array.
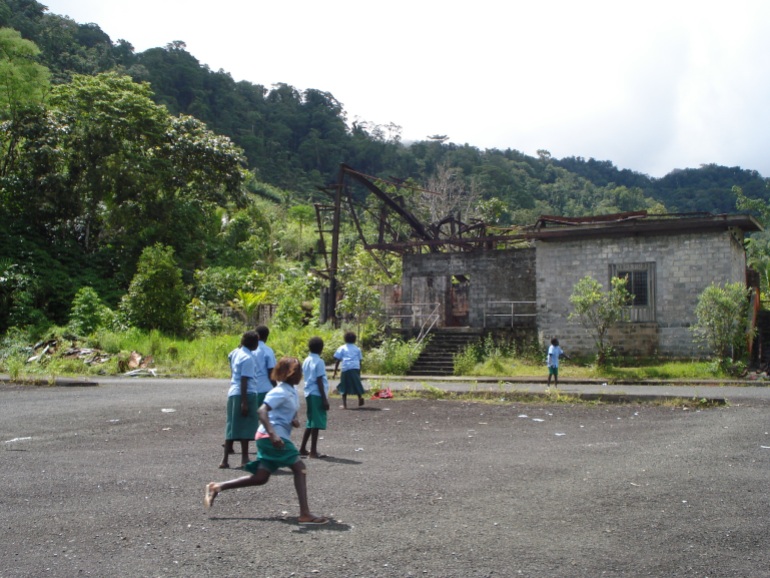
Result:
[
  {"x": 494, "y": 276},
  {"x": 685, "y": 264}
]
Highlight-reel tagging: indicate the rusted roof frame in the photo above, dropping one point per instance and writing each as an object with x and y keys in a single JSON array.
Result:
[
  {"x": 650, "y": 226},
  {"x": 679, "y": 224},
  {"x": 468, "y": 243},
  {"x": 544, "y": 220}
]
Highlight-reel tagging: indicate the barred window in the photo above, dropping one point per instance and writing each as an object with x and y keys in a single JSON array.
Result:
[
  {"x": 640, "y": 282},
  {"x": 636, "y": 284}
]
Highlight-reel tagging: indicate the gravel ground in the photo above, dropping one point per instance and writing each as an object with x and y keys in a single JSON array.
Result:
[{"x": 106, "y": 481}]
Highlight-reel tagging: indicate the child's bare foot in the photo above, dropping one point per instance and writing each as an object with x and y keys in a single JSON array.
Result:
[
  {"x": 316, "y": 456},
  {"x": 304, "y": 453},
  {"x": 313, "y": 520},
  {"x": 211, "y": 493},
  {"x": 224, "y": 466}
]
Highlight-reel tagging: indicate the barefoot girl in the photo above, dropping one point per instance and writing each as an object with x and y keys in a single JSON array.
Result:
[
  {"x": 277, "y": 416},
  {"x": 242, "y": 402},
  {"x": 350, "y": 378},
  {"x": 316, "y": 397}
]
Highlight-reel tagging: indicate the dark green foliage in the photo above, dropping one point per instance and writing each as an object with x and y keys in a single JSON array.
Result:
[
  {"x": 708, "y": 188},
  {"x": 603, "y": 173},
  {"x": 219, "y": 285},
  {"x": 157, "y": 297}
]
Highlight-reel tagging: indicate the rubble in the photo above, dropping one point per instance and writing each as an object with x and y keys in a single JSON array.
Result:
[{"x": 136, "y": 364}]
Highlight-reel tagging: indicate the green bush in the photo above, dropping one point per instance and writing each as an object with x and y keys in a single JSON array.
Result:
[
  {"x": 393, "y": 357},
  {"x": 88, "y": 313},
  {"x": 465, "y": 362},
  {"x": 722, "y": 320}
]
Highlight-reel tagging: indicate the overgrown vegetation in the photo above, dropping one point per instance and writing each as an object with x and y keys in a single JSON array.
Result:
[
  {"x": 496, "y": 356},
  {"x": 392, "y": 357}
]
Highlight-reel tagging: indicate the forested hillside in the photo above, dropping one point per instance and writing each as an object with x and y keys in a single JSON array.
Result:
[{"x": 107, "y": 152}]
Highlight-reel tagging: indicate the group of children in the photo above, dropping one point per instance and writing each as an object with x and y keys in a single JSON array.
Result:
[
  {"x": 268, "y": 415},
  {"x": 263, "y": 389}
]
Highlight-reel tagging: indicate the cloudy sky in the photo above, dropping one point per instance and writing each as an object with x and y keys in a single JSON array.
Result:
[{"x": 651, "y": 86}]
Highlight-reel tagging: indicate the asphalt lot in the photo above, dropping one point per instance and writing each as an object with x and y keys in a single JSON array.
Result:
[{"x": 108, "y": 480}]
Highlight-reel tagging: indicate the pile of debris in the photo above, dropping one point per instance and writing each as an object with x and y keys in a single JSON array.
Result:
[{"x": 135, "y": 364}]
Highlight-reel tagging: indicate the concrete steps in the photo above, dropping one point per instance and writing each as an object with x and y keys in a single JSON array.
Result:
[{"x": 438, "y": 356}]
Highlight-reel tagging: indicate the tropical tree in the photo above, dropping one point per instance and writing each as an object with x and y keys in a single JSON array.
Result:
[
  {"x": 156, "y": 298},
  {"x": 114, "y": 172},
  {"x": 247, "y": 303},
  {"x": 360, "y": 276},
  {"x": 598, "y": 310},
  {"x": 303, "y": 215},
  {"x": 23, "y": 85},
  {"x": 23, "y": 82}
]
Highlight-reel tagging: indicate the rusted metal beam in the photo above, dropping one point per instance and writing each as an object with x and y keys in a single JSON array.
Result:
[{"x": 413, "y": 222}]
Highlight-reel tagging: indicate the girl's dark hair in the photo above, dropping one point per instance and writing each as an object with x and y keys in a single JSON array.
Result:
[
  {"x": 263, "y": 332},
  {"x": 286, "y": 367},
  {"x": 250, "y": 340},
  {"x": 350, "y": 337},
  {"x": 554, "y": 341},
  {"x": 315, "y": 345}
]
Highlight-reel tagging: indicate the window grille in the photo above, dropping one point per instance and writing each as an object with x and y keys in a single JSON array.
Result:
[{"x": 640, "y": 282}]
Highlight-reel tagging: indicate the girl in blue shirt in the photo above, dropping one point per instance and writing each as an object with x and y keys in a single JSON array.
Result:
[
  {"x": 277, "y": 416},
  {"x": 242, "y": 402},
  {"x": 316, "y": 397},
  {"x": 350, "y": 379}
]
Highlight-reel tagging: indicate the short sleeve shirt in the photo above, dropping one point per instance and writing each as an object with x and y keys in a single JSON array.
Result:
[
  {"x": 349, "y": 355},
  {"x": 242, "y": 365},
  {"x": 265, "y": 362},
  {"x": 283, "y": 401},
  {"x": 554, "y": 351},
  {"x": 312, "y": 368}
]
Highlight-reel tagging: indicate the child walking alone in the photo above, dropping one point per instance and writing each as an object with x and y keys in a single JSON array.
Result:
[
  {"x": 316, "y": 397},
  {"x": 554, "y": 353},
  {"x": 350, "y": 379},
  {"x": 277, "y": 416}
]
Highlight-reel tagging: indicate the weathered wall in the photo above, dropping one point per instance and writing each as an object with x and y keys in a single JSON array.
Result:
[
  {"x": 506, "y": 275},
  {"x": 684, "y": 266}
]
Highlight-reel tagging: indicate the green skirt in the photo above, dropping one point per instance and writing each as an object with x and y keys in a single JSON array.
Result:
[
  {"x": 350, "y": 383},
  {"x": 241, "y": 427},
  {"x": 271, "y": 458},
  {"x": 316, "y": 414}
]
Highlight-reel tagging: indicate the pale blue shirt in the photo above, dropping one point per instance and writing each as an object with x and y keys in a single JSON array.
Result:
[
  {"x": 242, "y": 365},
  {"x": 283, "y": 401},
  {"x": 554, "y": 352},
  {"x": 312, "y": 368},
  {"x": 265, "y": 362},
  {"x": 349, "y": 355}
]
